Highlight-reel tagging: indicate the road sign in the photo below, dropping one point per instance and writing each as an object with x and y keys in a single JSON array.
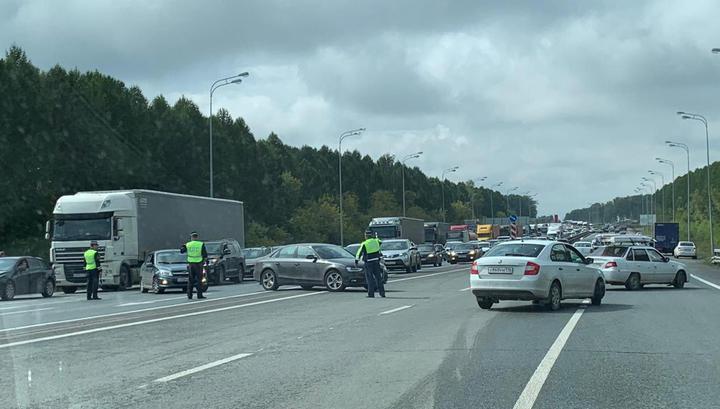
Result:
[{"x": 513, "y": 218}]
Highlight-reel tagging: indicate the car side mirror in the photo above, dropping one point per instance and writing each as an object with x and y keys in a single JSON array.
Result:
[
  {"x": 311, "y": 257},
  {"x": 226, "y": 251},
  {"x": 589, "y": 260},
  {"x": 666, "y": 259}
]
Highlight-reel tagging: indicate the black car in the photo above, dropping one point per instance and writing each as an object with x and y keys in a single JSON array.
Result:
[
  {"x": 25, "y": 275},
  {"x": 165, "y": 269},
  {"x": 457, "y": 252},
  {"x": 225, "y": 261},
  {"x": 431, "y": 254}
]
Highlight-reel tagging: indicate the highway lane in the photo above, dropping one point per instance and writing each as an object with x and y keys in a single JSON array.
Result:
[{"x": 426, "y": 345}]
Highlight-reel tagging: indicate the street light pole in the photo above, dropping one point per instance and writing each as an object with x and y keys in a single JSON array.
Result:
[
  {"x": 672, "y": 167},
  {"x": 520, "y": 202},
  {"x": 662, "y": 192},
  {"x": 233, "y": 79},
  {"x": 700, "y": 118},
  {"x": 340, "y": 139},
  {"x": 472, "y": 195},
  {"x": 687, "y": 151},
  {"x": 402, "y": 167},
  {"x": 507, "y": 199},
  {"x": 654, "y": 200},
  {"x": 442, "y": 185},
  {"x": 492, "y": 193}
]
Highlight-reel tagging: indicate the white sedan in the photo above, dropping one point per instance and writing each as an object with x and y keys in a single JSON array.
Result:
[
  {"x": 635, "y": 266},
  {"x": 685, "y": 249},
  {"x": 584, "y": 247},
  {"x": 535, "y": 270}
]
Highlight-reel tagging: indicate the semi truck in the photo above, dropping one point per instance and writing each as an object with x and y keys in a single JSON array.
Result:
[
  {"x": 487, "y": 231},
  {"x": 436, "y": 232},
  {"x": 461, "y": 232},
  {"x": 667, "y": 236},
  {"x": 398, "y": 228},
  {"x": 129, "y": 224}
]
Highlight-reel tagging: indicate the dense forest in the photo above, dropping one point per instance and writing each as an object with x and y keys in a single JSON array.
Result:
[
  {"x": 630, "y": 207},
  {"x": 65, "y": 131}
]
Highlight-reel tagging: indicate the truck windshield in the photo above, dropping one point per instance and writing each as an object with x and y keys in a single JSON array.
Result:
[
  {"x": 457, "y": 234},
  {"x": 384, "y": 232},
  {"x": 82, "y": 229},
  {"x": 170, "y": 257},
  {"x": 430, "y": 234}
]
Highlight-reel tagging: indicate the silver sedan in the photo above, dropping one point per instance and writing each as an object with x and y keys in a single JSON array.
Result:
[{"x": 535, "y": 270}]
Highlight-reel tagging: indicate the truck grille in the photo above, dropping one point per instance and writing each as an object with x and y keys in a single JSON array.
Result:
[{"x": 73, "y": 262}]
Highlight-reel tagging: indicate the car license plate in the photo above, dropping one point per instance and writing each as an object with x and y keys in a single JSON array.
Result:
[
  {"x": 182, "y": 280},
  {"x": 500, "y": 270}
]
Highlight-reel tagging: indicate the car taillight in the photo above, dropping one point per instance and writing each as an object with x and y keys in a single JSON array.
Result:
[
  {"x": 474, "y": 269},
  {"x": 610, "y": 264},
  {"x": 532, "y": 269}
]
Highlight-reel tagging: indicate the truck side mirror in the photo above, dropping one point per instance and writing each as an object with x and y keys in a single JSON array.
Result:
[{"x": 47, "y": 230}]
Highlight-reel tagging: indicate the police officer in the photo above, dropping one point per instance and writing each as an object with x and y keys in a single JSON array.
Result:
[
  {"x": 196, "y": 257},
  {"x": 92, "y": 268},
  {"x": 369, "y": 251}
]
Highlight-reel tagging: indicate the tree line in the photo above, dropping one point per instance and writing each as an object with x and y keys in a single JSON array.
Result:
[{"x": 63, "y": 131}]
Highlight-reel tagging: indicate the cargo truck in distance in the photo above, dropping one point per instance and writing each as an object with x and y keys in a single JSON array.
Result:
[
  {"x": 128, "y": 225},
  {"x": 398, "y": 228},
  {"x": 487, "y": 232},
  {"x": 462, "y": 233},
  {"x": 436, "y": 232},
  {"x": 667, "y": 236}
]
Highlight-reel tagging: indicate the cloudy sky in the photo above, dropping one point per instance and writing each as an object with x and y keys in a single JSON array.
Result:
[{"x": 568, "y": 99}]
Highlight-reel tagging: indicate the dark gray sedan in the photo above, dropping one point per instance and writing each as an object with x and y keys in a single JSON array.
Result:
[{"x": 308, "y": 265}]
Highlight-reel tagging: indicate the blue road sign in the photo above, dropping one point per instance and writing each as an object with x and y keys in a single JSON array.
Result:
[{"x": 513, "y": 218}]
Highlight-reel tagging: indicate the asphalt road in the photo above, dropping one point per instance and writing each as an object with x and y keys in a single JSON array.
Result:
[{"x": 427, "y": 345}]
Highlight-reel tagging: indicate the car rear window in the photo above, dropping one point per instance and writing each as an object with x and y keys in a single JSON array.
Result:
[
  {"x": 610, "y": 251},
  {"x": 515, "y": 250},
  {"x": 686, "y": 244}
]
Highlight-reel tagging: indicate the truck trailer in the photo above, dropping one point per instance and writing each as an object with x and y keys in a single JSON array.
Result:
[
  {"x": 398, "y": 228},
  {"x": 436, "y": 232},
  {"x": 128, "y": 224}
]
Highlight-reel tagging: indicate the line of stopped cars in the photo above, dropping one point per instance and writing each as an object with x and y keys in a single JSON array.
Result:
[{"x": 547, "y": 272}]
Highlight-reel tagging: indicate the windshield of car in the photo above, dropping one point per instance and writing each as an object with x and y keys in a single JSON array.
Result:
[
  {"x": 609, "y": 251},
  {"x": 464, "y": 246},
  {"x": 352, "y": 249},
  {"x": 395, "y": 245},
  {"x": 213, "y": 248},
  {"x": 6, "y": 263},
  {"x": 85, "y": 228},
  {"x": 515, "y": 250},
  {"x": 255, "y": 252},
  {"x": 170, "y": 257},
  {"x": 331, "y": 252},
  {"x": 582, "y": 244},
  {"x": 426, "y": 247}
]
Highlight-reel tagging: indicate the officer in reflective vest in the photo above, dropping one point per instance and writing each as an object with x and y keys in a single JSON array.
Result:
[
  {"x": 369, "y": 251},
  {"x": 92, "y": 268},
  {"x": 196, "y": 257}
]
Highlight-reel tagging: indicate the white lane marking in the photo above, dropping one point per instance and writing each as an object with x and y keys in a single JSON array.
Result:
[
  {"x": 28, "y": 302},
  {"x": 127, "y": 304},
  {"x": 705, "y": 281},
  {"x": 12, "y": 308},
  {"x": 201, "y": 368},
  {"x": 426, "y": 275},
  {"x": 24, "y": 311},
  {"x": 465, "y": 289},
  {"x": 537, "y": 380},
  {"x": 44, "y": 324},
  {"x": 404, "y": 307},
  {"x": 150, "y": 321}
]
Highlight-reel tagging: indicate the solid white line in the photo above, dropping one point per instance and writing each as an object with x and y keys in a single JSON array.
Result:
[
  {"x": 532, "y": 389},
  {"x": 127, "y": 304},
  {"x": 404, "y": 307},
  {"x": 44, "y": 324},
  {"x": 201, "y": 368},
  {"x": 24, "y": 311},
  {"x": 705, "y": 281},
  {"x": 426, "y": 275},
  {"x": 465, "y": 289},
  {"x": 150, "y": 321}
]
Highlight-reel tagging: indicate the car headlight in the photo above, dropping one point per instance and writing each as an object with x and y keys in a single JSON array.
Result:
[
  {"x": 452, "y": 253},
  {"x": 405, "y": 255},
  {"x": 213, "y": 261},
  {"x": 165, "y": 273},
  {"x": 472, "y": 252},
  {"x": 431, "y": 255}
]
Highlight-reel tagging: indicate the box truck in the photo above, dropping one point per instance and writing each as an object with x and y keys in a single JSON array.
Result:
[
  {"x": 398, "y": 228},
  {"x": 667, "y": 236},
  {"x": 128, "y": 224},
  {"x": 436, "y": 232}
]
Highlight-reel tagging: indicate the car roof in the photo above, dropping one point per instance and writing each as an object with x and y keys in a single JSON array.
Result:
[
  {"x": 385, "y": 241},
  {"x": 532, "y": 241}
]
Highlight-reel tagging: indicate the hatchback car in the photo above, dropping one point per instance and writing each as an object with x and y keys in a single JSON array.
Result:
[
  {"x": 25, "y": 275},
  {"x": 309, "y": 265},
  {"x": 635, "y": 266},
  {"x": 165, "y": 269},
  {"x": 535, "y": 270},
  {"x": 685, "y": 249}
]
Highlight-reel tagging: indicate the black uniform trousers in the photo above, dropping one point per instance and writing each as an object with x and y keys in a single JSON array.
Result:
[
  {"x": 93, "y": 281},
  {"x": 195, "y": 273},
  {"x": 373, "y": 278}
]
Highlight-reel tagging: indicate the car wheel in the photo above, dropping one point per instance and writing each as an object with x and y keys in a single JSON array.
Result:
[
  {"x": 599, "y": 292},
  {"x": 268, "y": 280},
  {"x": 633, "y": 282},
  {"x": 125, "y": 278},
  {"x": 419, "y": 266},
  {"x": 408, "y": 269},
  {"x": 554, "y": 296},
  {"x": 156, "y": 286},
  {"x": 69, "y": 290},
  {"x": 334, "y": 281},
  {"x": 306, "y": 287},
  {"x": 48, "y": 288},
  {"x": 8, "y": 292},
  {"x": 680, "y": 278},
  {"x": 142, "y": 286},
  {"x": 485, "y": 303},
  {"x": 241, "y": 274},
  {"x": 219, "y": 276}
]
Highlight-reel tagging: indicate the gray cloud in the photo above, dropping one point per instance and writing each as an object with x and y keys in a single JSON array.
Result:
[{"x": 568, "y": 99}]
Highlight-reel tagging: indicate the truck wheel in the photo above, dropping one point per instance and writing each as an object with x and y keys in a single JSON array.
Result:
[
  {"x": 48, "y": 288},
  {"x": 69, "y": 290},
  {"x": 125, "y": 278},
  {"x": 8, "y": 292}
]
